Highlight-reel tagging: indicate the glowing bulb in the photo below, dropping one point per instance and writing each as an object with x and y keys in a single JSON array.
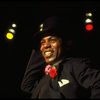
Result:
[
  {"x": 89, "y": 14},
  {"x": 12, "y": 30},
  {"x": 41, "y": 25},
  {"x": 41, "y": 29},
  {"x": 88, "y": 20},
  {"x": 9, "y": 36},
  {"x": 89, "y": 27},
  {"x": 13, "y": 25}
]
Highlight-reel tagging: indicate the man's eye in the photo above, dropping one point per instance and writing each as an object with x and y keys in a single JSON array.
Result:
[
  {"x": 42, "y": 42},
  {"x": 53, "y": 40}
]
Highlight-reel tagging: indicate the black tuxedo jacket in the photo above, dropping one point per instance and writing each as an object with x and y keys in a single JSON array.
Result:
[{"x": 77, "y": 78}]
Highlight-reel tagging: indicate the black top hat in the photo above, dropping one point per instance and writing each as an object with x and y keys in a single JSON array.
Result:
[{"x": 59, "y": 26}]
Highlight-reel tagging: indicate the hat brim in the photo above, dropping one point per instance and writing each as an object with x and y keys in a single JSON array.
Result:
[{"x": 39, "y": 35}]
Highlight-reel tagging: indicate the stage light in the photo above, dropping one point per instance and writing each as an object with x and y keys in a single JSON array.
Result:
[
  {"x": 89, "y": 27},
  {"x": 89, "y": 14},
  {"x": 13, "y": 25},
  {"x": 9, "y": 36},
  {"x": 11, "y": 32},
  {"x": 89, "y": 22}
]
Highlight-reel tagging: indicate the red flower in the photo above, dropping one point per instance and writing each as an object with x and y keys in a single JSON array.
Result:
[{"x": 51, "y": 70}]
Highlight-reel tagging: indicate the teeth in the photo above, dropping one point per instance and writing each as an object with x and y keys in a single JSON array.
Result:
[{"x": 48, "y": 53}]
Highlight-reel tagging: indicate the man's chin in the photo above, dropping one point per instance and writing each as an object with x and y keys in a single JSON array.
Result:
[{"x": 50, "y": 60}]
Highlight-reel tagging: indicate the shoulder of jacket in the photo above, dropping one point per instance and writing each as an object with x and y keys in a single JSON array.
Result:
[{"x": 76, "y": 60}]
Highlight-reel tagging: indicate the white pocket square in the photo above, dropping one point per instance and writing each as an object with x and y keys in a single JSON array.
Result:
[{"x": 63, "y": 82}]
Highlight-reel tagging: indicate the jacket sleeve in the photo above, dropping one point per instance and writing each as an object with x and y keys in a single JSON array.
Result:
[
  {"x": 88, "y": 76},
  {"x": 33, "y": 73}
]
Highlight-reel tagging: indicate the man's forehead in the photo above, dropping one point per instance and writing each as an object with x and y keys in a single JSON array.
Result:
[{"x": 48, "y": 37}]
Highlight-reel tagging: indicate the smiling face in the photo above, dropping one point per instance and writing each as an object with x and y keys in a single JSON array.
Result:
[{"x": 51, "y": 49}]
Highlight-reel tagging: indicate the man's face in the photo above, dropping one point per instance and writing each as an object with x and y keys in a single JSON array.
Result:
[{"x": 51, "y": 48}]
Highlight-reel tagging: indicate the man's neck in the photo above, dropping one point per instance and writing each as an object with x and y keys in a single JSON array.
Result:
[{"x": 58, "y": 62}]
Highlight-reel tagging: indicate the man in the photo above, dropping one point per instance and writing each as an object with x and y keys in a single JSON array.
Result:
[{"x": 53, "y": 72}]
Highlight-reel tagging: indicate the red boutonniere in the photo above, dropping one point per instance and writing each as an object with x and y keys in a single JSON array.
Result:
[{"x": 51, "y": 70}]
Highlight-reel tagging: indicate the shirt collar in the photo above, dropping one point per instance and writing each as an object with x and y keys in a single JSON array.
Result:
[{"x": 57, "y": 63}]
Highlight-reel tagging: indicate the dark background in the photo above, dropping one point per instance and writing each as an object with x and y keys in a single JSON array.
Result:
[{"x": 15, "y": 54}]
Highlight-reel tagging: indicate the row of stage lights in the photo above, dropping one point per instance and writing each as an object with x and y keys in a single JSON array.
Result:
[
  {"x": 89, "y": 22},
  {"x": 11, "y": 31},
  {"x": 88, "y": 26}
]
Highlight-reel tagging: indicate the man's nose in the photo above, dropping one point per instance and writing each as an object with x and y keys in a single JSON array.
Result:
[{"x": 47, "y": 44}]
